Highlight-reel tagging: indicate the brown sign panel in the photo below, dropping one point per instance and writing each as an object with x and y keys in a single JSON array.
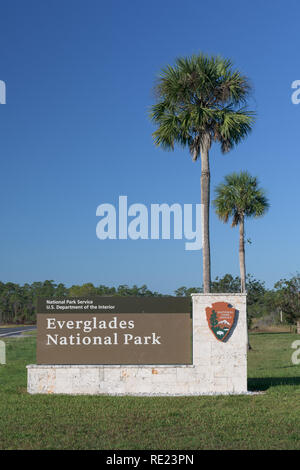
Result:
[
  {"x": 100, "y": 333},
  {"x": 220, "y": 318}
]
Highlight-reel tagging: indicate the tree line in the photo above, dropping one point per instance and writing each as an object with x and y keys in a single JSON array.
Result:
[{"x": 18, "y": 303}]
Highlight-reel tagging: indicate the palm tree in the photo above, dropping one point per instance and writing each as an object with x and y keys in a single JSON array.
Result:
[
  {"x": 240, "y": 197},
  {"x": 201, "y": 100}
]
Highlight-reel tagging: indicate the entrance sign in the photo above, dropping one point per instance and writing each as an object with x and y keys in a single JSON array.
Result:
[
  {"x": 220, "y": 318},
  {"x": 141, "y": 346},
  {"x": 114, "y": 330}
]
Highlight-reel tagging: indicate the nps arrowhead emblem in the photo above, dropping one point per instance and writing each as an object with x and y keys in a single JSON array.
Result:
[{"x": 220, "y": 319}]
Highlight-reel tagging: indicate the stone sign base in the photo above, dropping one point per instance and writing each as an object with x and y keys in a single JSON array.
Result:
[{"x": 219, "y": 367}]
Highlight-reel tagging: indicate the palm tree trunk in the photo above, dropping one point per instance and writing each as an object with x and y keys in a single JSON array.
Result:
[
  {"x": 205, "y": 198},
  {"x": 243, "y": 267},
  {"x": 242, "y": 255}
]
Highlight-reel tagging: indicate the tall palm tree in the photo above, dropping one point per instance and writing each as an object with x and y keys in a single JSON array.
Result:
[
  {"x": 200, "y": 100},
  {"x": 237, "y": 198}
]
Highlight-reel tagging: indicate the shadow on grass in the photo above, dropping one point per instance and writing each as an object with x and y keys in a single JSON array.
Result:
[{"x": 263, "y": 383}]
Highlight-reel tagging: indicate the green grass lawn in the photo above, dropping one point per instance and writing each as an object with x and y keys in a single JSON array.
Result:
[{"x": 266, "y": 421}]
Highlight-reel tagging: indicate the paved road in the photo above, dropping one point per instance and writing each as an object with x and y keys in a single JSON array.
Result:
[{"x": 15, "y": 330}]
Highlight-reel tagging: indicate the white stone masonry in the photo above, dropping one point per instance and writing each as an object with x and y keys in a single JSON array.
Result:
[{"x": 218, "y": 367}]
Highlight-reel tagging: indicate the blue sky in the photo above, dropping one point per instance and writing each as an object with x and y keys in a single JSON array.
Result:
[{"x": 75, "y": 133}]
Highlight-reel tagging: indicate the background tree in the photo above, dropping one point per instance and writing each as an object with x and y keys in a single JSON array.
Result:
[
  {"x": 184, "y": 291},
  {"x": 256, "y": 298},
  {"x": 288, "y": 298},
  {"x": 237, "y": 198},
  {"x": 227, "y": 283},
  {"x": 201, "y": 100},
  {"x": 18, "y": 302}
]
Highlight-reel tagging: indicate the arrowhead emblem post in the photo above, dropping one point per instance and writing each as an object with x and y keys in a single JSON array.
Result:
[{"x": 220, "y": 318}]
